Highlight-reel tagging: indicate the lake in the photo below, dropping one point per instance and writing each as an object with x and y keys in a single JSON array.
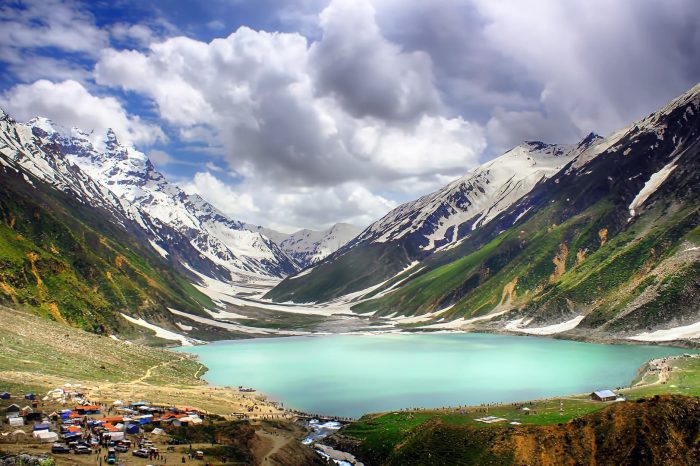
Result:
[{"x": 349, "y": 375}]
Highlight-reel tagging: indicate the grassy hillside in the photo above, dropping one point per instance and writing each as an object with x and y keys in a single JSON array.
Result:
[
  {"x": 69, "y": 263},
  {"x": 352, "y": 270},
  {"x": 567, "y": 430},
  {"x": 571, "y": 246}
]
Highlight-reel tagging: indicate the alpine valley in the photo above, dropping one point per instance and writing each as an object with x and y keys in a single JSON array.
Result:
[{"x": 599, "y": 239}]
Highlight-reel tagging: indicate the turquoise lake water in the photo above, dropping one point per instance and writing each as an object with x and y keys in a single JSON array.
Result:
[{"x": 349, "y": 375}]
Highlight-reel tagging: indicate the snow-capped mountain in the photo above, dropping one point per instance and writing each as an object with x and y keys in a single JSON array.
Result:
[
  {"x": 445, "y": 216},
  {"x": 622, "y": 175},
  {"x": 27, "y": 149},
  {"x": 437, "y": 221},
  {"x": 308, "y": 247},
  {"x": 184, "y": 229}
]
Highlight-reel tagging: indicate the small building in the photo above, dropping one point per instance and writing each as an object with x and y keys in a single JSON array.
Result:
[
  {"x": 87, "y": 409},
  {"x": 12, "y": 410},
  {"x": 34, "y": 417},
  {"x": 603, "y": 395},
  {"x": 16, "y": 421},
  {"x": 133, "y": 429},
  {"x": 42, "y": 426}
]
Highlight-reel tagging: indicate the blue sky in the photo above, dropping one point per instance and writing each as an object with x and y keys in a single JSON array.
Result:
[{"x": 303, "y": 113}]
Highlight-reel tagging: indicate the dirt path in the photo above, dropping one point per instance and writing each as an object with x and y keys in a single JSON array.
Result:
[
  {"x": 658, "y": 367},
  {"x": 199, "y": 369},
  {"x": 277, "y": 442}
]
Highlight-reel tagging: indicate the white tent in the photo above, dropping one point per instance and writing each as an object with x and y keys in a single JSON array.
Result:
[
  {"x": 158, "y": 431},
  {"x": 118, "y": 402},
  {"x": 116, "y": 435},
  {"x": 56, "y": 393},
  {"x": 45, "y": 436}
]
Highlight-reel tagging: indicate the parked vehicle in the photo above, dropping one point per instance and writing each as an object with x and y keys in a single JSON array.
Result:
[
  {"x": 141, "y": 453},
  {"x": 111, "y": 456},
  {"x": 199, "y": 454},
  {"x": 82, "y": 450},
  {"x": 121, "y": 448},
  {"x": 60, "y": 448}
]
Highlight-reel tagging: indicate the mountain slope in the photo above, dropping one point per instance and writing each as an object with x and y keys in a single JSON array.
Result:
[
  {"x": 609, "y": 245},
  {"x": 440, "y": 220},
  {"x": 69, "y": 250},
  {"x": 308, "y": 247},
  {"x": 654, "y": 431},
  {"x": 183, "y": 229}
]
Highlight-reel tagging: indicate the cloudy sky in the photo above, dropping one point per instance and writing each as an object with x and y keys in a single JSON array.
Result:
[{"x": 303, "y": 113}]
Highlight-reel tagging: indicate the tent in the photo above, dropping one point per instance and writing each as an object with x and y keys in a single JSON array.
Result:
[
  {"x": 16, "y": 421},
  {"x": 45, "y": 436},
  {"x": 5, "y": 396},
  {"x": 29, "y": 396},
  {"x": 33, "y": 417},
  {"x": 118, "y": 403},
  {"x": 56, "y": 393},
  {"x": 13, "y": 408},
  {"x": 89, "y": 409},
  {"x": 158, "y": 431},
  {"x": 133, "y": 429},
  {"x": 43, "y": 426},
  {"x": 116, "y": 436}
]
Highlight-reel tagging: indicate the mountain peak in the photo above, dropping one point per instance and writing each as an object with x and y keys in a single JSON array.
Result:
[
  {"x": 111, "y": 141},
  {"x": 536, "y": 145},
  {"x": 46, "y": 126},
  {"x": 590, "y": 139}
]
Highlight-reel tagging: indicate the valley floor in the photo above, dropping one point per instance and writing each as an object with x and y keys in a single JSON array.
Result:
[{"x": 38, "y": 355}]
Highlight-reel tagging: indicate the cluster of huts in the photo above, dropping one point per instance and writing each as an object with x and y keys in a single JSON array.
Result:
[{"x": 83, "y": 421}]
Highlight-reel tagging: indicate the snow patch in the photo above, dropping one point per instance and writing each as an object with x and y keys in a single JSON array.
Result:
[
  {"x": 234, "y": 327},
  {"x": 160, "y": 332},
  {"x": 517, "y": 326},
  {"x": 684, "y": 332},
  {"x": 158, "y": 249},
  {"x": 655, "y": 181}
]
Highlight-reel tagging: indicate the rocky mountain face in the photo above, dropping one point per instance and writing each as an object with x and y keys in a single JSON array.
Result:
[
  {"x": 186, "y": 230},
  {"x": 610, "y": 238},
  {"x": 435, "y": 222},
  {"x": 610, "y": 243},
  {"x": 73, "y": 250},
  {"x": 308, "y": 247}
]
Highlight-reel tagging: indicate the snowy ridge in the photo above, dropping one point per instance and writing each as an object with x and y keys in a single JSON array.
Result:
[
  {"x": 130, "y": 175},
  {"x": 124, "y": 182},
  {"x": 308, "y": 247},
  {"x": 31, "y": 150},
  {"x": 474, "y": 199}
]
